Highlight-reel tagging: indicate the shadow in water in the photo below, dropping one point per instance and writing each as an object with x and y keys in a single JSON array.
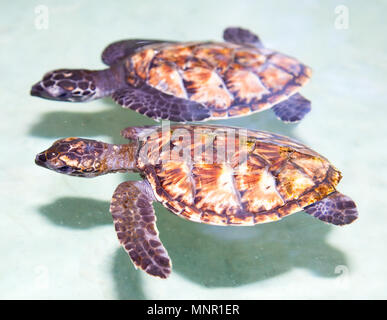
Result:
[
  {"x": 126, "y": 277},
  {"x": 110, "y": 122},
  {"x": 214, "y": 256},
  {"x": 60, "y": 124},
  {"x": 77, "y": 213},
  {"x": 233, "y": 256},
  {"x": 83, "y": 213}
]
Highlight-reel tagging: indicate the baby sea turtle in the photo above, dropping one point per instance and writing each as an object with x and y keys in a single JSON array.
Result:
[
  {"x": 189, "y": 81},
  {"x": 209, "y": 174}
]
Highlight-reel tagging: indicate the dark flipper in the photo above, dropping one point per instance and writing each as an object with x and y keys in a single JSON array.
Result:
[
  {"x": 121, "y": 49},
  {"x": 292, "y": 109},
  {"x": 241, "y": 36},
  {"x": 135, "y": 223},
  {"x": 337, "y": 209},
  {"x": 158, "y": 105}
]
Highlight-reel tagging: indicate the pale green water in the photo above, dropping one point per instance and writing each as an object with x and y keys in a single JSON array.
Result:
[{"x": 57, "y": 237}]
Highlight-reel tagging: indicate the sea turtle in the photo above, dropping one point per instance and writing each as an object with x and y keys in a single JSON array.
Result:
[
  {"x": 210, "y": 174},
  {"x": 189, "y": 81}
]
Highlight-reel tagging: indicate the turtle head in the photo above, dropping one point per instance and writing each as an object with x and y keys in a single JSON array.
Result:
[
  {"x": 67, "y": 85},
  {"x": 75, "y": 157}
]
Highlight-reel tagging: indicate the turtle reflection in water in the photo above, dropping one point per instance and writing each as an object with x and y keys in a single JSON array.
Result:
[{"x": 208, "y": 174}]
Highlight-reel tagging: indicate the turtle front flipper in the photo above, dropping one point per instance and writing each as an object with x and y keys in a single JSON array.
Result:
[
  {"x": 293, "y": 109},
  {"x": 337, "y": 209},
  {"x": 242, "y": 37},
  {"x": 120, "y": 49},
  {"x": 135, "y": 223},
  {"x": 159, "y": 105}
]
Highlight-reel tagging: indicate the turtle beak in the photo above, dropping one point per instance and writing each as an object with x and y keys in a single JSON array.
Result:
[
  {"x": 37, "y": 90},
  {"x": 41, "y": 159}
]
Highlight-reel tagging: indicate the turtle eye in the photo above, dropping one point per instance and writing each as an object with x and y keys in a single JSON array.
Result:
[{"x": 51, "y": 155}]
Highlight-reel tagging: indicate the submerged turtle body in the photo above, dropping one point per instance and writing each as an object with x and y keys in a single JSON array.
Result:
[
  {"x": 189, "y": 81},
  {"x": 208, "y": 174}
]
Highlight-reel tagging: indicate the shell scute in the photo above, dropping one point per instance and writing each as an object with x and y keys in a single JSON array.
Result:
[
  {"x": 245, "y": 84},
  {"x": 292, "y": 182},
  {"x": 250, "y": 58},
  {"x": 191, "y": 213},
  {"x": 274, "y": 79},
  {"x": 314, "y": 167},
  {"x": 177, "y": 54},
  {"x": 214, "y": 218},
  {"x": 214, "y": 188},
  {"x": 238, "y": 111},
  {"x": 207, "y": 87},
  {"x": 287, "y": 63},
  {"x": 219, "y": 57},
  {"x": 141, "y": 62},
  {"x": 175, "y": 179},
  {"x": 259, "y": 189},
  {"x": 166, "y": 78}
]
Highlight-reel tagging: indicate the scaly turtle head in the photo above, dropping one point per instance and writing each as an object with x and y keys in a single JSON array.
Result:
[
  {"x": 68, "y": 85},
  {"x": 75, "y": 157}
]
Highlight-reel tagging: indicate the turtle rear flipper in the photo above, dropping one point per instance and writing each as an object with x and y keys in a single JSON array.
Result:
[
  {"x": 242, "y": 37},
  {"x": 159, "y": 105},
  {"x": 135, "y": 223},
  {"x": 121, "y": 49},
  {"x": 337, "y": 209},
  {"x": 293, "y": 109}
]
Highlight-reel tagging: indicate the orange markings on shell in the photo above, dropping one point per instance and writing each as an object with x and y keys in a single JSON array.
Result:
[
  {"x": 289, "y": 64},
  {"x": 288, "y": 208},
  {"x": 177, "y": 54},
  {"x": 245, "y": 84},
  {"x": 214, "y": 218},
  {"x": 314, "y": 167},
  {"x": 229, "y": 79},
  {"x": 251, "y": 59},
  {"x": 292, "y": 182},
  {"x": 309, "y": 198},
  {"x": 166, "y": 78},
  {"x": 215, "y": 189},
  {"x": 275, "y": 79},
  {"x": 175, "y": 179},
  {"x": 141, "y": 62},
  {"x": 219, "y": 113},
  {"x": 191, "y": 213},
  {"x": 260, "y": 187},
  {"x": 241, "y": 219},
  {"x": 270, "y": 177},
  {"x": 207, "y": 87},
  {"x": 218, "y": 57}
]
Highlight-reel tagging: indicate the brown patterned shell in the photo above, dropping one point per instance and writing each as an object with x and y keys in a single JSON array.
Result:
[
  {"x": 229, "y": 79},
  {"x": 263, "y": 179}
]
